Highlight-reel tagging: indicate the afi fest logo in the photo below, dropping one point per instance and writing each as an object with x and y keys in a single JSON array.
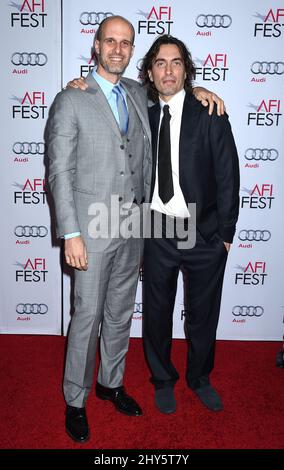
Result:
[
  {"x": 253, "y": 274},
  {"x": 30, "y": 14},
  {"x": 89, "y": 64},
  {"x": 213, "y": 68},
  {"x": 32, "y": 106},
  {"x": 260, "y": 197},
  {"x": 33, "y": 270},
  {"x": 33, "y": 191},
  {"x": 157, "y": 21},
  {"x": 267, "y": 113},
  {"x": 270, "y": 25}
]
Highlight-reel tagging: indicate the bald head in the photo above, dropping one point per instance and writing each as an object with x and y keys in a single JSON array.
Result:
[{"x": 115, "y": 18}]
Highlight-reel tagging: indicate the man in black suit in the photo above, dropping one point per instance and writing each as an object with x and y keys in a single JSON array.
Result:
[{"x": 194, "y": 161}]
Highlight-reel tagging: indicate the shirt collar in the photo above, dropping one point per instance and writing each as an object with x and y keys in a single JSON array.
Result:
[
  {"x": 105, "y": 85},
  {"x": 175, "y": 103}
]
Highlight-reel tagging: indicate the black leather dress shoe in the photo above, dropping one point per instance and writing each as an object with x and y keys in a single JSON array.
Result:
[
  {"x": 209, "y": 397},
  {"x": 123, "y": 402},
  {"x": 165, "y": 400},
  {"x": 77, "y": 424}
]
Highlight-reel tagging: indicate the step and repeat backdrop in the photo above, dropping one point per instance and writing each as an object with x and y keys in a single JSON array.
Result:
[{"x": 237, "y": 48}]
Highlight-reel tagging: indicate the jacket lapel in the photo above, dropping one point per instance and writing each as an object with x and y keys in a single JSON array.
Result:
[
  {"x": 189, "y": 133},
  {"x": 101, "y": 104},
  {"x": 136, "y": 101}
]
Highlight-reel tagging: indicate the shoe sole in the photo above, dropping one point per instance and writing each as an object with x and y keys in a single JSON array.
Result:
[
  {"x": 104, "y": 397},
  {"x": 166, "y": 412},
  {"x": 79, "y": 441}
]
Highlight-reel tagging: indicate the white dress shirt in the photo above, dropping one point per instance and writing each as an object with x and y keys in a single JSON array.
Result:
[{"x": 176, "y": 207}]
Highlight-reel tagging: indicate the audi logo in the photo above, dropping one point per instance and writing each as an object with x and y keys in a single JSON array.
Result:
[
  {"x": 29, "y": 148},
  {"x": 268, "y": 68},
  {"x": 28, "y": 309},
  {"x": 29, "y": 58},
  {"x": 213, "y": 21},
  {"x": 33, "y": 231},
  {"x": 261, "y": 154},
  {"x": 254, "y": 235},
  {"x": 247, "y": 311},
  {"x": 93, "y": 18},
  {"x": 138, "y": 307}
]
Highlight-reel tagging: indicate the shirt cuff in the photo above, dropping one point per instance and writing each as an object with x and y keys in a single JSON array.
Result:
[{"x": 72, "y": 235}]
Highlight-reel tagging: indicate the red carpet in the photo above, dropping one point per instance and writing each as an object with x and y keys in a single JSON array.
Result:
[{"x": 252, "y": 388}]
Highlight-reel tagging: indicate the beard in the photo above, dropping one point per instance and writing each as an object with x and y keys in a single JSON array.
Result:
[{"x": 113, "y": 67}]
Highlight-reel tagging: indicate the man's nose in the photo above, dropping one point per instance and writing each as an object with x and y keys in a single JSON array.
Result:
[
  {"x": 168, "y": 68},
  {"x": 117, "y": 47}
]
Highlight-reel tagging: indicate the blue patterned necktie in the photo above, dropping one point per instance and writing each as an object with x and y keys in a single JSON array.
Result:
[{"x": 122, "y": 109}]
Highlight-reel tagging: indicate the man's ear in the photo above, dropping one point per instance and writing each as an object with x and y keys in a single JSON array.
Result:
[
  {"x": 97, "y": 46},
  {"x": 132, "y": 50},
  {"x": 150, "y": 75}
]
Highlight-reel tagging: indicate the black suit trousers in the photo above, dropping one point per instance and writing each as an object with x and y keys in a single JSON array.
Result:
[{"x": 203, "y": 266}]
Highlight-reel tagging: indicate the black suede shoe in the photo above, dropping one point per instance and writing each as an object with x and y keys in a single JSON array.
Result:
[
  {"x": 123, "y": 402},
  {"x": 165, "y": 400},
  {"x": 77, "y": 424},
  {"x": 209, "y": 397}
]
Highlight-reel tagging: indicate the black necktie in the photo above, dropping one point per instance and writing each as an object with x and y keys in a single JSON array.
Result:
[{"x": 165, "y": 177}]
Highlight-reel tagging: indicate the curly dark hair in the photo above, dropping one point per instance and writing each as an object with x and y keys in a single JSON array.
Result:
[{"x": 149, "y": 58}]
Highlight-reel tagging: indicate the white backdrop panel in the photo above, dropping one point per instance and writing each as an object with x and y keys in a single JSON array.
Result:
[
  {"x": 30, "y": 281},
  {"x": 238, "y": 52}
]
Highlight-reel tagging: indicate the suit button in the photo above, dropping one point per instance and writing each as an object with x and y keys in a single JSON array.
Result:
[
  {"x": 132, "y": 172},
  {"x": 128, "y": 140},
  {"x": 120, "y": 198},
  {"x": 122, "y": 173},
  {"x": 122, "y": 147},
  {"x": 130, "y": 155}
]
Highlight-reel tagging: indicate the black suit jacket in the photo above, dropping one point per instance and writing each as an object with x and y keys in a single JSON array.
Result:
[{"x": 208, "y": 167}]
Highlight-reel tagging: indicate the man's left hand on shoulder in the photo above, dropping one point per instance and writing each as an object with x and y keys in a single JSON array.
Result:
[
  {"x": 227, "y": 246},
  {"x": 78, "y": 83},
  {"x": 207, "y": 97}
]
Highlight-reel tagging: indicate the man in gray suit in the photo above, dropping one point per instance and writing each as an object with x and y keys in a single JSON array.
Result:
[{"x": 100, "y": 153}]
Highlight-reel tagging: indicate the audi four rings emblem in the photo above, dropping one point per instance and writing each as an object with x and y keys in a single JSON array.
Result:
[
  {"x": 33, "y": 231},
  {"x": 29, "y": 148},
  {"x": 254, "y": 235},
  {"x": 32, "y": 308},
  {"x": 270, "y": 68},
  {"x": 261, "y": 154},
  {"x": 138, "y": 307},
  {"x": 213, "y": 21},
  {"x": 247, "y": 311},
  {"x": 93, "y": 18},
  {"x": 29, "y": 58}
]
